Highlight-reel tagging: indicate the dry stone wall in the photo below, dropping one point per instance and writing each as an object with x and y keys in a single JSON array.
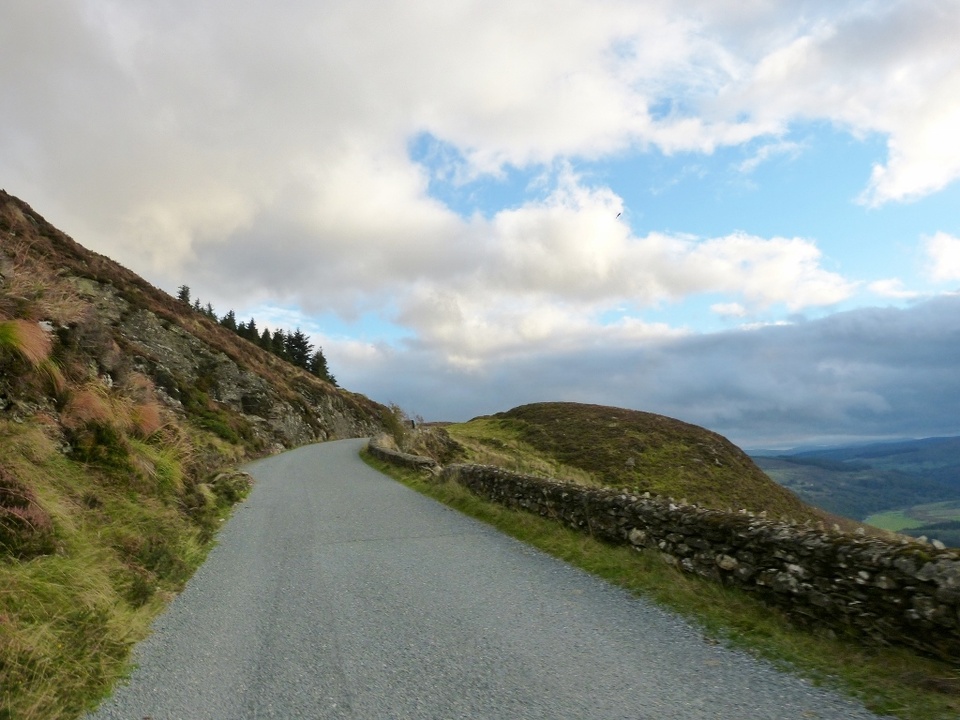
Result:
[
  {"x": 905, "y": 593},
  {"x": 416, "y": 462}
]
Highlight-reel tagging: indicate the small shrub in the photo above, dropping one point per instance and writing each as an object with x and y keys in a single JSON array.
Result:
[
  {"x": 86, "y": 406},
  {"x": 397, "y": 424},
  {"x": 101, "y": 445},
  {"x": 231, "y": 487},
  {"x": 26, "y": 530}
]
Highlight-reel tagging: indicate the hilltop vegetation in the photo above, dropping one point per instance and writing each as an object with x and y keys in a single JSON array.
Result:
[
  {"x": 123, "y": 415},
  {"x": 627, "y": 448}
]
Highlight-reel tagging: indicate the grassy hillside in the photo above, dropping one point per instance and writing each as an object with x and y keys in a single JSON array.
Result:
[
  {"x": 115, "y": 467},
  {"x": 627, "y": 448}
]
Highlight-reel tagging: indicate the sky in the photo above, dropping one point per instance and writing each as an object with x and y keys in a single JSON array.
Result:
[{"x": 741, "y": 213}]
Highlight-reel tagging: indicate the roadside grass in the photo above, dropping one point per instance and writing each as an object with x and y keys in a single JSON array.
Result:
[
  {"x": 124, "y": 543},
  {"x": 892, "y": 681}
]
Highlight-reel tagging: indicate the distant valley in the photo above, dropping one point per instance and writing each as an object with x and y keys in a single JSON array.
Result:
[{"x": 909, "y": 486}]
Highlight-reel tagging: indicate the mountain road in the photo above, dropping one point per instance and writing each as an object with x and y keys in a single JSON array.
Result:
[{"x": 336, "y": 592}]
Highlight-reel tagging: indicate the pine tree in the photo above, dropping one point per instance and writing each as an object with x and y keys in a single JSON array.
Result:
[
  {"x": 183, "y": 294},
  {"x": 266, "y": 339},
  {"x": 279, "y": 343},
  {"x": 208, "y": 311},
  {"x": 229, "y": 321},
  {"x": 252, "y": 334},
  {"x": 318, "y": 366},
  {"x": 196, "y": 305},
  {"x": 298, "y": 349}
]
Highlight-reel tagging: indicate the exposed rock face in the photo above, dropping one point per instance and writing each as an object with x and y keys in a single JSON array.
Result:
[{"x": 180, "y": 364}]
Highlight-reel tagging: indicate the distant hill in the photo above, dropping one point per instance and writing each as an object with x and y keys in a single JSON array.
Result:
[
  {"x": 629, "y": 448},
  {"x": 866, "y": 481}
]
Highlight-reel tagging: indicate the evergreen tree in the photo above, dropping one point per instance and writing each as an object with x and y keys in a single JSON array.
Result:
[
  {"x": 242, "y": 330},
  {"x": 252, "y": 334},
  {"x": 298, "y": 349},
  {"x": 208, "y": 311},
  {"x": 183, "y": 294},
  {"x": 196, "y": 305},
  {"x": 266, "y": 340},
  {"x": 229, "y": 321},
  {"x": 279, "y": 343},
  {"x": 318, "y": 366}
]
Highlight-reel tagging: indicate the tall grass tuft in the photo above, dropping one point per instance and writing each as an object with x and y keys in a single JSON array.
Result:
[{"x": 26, "y": 339}]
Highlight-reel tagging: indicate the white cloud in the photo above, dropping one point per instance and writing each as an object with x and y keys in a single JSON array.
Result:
[
  {"x": 892, "y": 288},
  {"x": 890, "y": 69},
  {"x": 767, "y": 152},
  {"x": 152, "y": 129},
  {"x": 729, "y": 309},
  {"x": 943, "y": 251}
]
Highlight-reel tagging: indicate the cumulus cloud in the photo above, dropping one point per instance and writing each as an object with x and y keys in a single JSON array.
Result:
[
  {"x": 943, "y": 251},
  {"x": 152, "y": 130},
  {"x": 889, "y": 69},
  {"x": 729, "y": 309},
  {"x": 892, "y": 288}
]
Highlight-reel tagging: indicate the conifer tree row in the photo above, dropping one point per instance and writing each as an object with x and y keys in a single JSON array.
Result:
[{"x": 293, "y": 347}]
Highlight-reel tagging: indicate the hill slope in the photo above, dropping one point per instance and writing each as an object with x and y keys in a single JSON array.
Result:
[
  {"x": 119, "y": 408},
  {"x": 628, "y": 448}
]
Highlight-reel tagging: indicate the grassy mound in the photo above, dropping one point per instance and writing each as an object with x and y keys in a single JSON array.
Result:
[{"x": 627, "y": 448}]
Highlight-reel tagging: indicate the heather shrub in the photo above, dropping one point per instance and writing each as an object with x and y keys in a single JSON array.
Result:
[{"x": 26, "y": 530}]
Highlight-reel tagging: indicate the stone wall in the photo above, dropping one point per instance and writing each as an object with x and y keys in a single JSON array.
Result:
[
  {"x": 416, "y": 462},
  {"x": 891, "y": 592}
]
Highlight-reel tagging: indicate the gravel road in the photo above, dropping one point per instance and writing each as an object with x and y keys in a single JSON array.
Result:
[{"x": 335, "y": 592}]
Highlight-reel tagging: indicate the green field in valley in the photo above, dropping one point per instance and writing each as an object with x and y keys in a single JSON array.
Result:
[{"x": 918, "y": 516}]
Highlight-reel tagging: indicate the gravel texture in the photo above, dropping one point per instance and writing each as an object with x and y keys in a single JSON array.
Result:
[{"x": 335, "y": 592}]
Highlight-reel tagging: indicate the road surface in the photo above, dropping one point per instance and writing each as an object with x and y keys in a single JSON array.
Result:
[{"x": 335, "y": 592}]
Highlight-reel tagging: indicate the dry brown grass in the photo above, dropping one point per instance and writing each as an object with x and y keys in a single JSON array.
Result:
[
  {"x": 32, "y": 291},
  {"x": 146, "y": 419},
  {"x": 26, "y": 339},
  {"x": 89, "y": 404}
]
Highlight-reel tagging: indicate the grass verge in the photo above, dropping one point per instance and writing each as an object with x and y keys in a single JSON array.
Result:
[
  {"x": 889, "y": 681},
  {"x": 124, "y": 543}
]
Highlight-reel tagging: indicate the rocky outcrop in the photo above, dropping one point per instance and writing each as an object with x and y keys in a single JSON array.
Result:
[{"x": 190, "y": 371}]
